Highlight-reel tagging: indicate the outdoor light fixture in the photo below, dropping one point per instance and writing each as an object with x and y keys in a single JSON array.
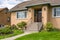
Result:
[
  {"x": 44, "y": 8},
  {"x": 29, "y": 10}
]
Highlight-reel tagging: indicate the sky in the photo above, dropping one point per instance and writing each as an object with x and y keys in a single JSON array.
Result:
[{"x": 9, "y": 3}]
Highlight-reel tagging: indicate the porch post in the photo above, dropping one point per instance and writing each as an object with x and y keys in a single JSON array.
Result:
[
  {"x": 44, "y": 15},
  {"x": 31, "y": 14}
]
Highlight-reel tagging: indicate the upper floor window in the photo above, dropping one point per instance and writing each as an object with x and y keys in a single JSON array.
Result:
[
  {"x": 56, "y": 12},
  {"x": 22, "y": 14}
]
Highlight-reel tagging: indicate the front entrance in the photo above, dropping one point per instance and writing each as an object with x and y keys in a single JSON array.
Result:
[{"x": 38, "y": 15}]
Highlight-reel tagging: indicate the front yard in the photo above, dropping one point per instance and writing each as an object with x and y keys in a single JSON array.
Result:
[
  {"x": 49, "y": 33},
  {"x": 15, "y": 32},
  {"x": 44, "y": 35},
  {"x": 12, "y": 30}
]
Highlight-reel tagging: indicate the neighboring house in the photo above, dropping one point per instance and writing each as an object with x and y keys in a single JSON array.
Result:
[
  {"x": 4, "y": 17},
  {"x": 36, "y": 11}
]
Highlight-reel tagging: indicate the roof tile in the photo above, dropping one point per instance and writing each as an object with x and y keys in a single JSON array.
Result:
[{"x": 23, "y": 5}]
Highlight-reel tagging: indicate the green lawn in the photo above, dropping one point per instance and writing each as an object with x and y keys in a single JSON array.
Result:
[
  {"x": 55, "y": 35},
  {"x": 16, "y": 32}
]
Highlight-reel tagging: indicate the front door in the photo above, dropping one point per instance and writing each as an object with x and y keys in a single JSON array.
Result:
[{"x": 38, "y": 15}]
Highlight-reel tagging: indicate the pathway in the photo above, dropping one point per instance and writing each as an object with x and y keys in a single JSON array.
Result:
[{"x": 14, "y": 37}]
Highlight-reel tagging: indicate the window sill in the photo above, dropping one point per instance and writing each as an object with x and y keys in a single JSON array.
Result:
[{"x": 56, "y": 17}]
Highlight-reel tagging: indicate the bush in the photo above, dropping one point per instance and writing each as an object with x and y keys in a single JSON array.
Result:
[
  {"x": 22, "y": 24},
  {"x": 13, "y": 27},
  {"x": 49, "y": 26},
  {"x": 6, "y": 30},
  {"x": 7, "y": 26}
]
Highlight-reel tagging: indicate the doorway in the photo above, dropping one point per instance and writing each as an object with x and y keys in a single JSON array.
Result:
[{"x": 38, "y": 15}]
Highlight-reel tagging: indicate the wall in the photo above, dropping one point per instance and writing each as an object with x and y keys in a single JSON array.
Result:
[
  {"x": 30, "y": 15},
  {"x": 55, "y": 20},
  {"x": 4, "y": 17},
  {"x": 14, "y": 19}
]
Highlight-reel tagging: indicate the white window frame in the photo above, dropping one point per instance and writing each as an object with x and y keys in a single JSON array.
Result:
[
  {"x": 21, "y": 18},
  {"x": 53, "y": 12}
]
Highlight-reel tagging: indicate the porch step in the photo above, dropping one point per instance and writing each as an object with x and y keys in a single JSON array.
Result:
[{"x": 34, "y": 27}]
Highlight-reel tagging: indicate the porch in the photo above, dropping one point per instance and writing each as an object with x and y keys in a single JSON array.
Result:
[
  {"x": 39, "y": 14},
  {"x": 38, "y": 18}
]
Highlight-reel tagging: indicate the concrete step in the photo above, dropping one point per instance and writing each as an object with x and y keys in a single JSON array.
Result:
[{"x": 34, "y": 27}]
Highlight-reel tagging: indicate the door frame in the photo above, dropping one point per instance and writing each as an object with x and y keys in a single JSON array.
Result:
[{"x": 36, "y": 14}]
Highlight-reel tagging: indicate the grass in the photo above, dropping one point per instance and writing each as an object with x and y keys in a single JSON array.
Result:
[
  {"x": 44, "y": 35},
  {"x": 16, "y": 32}
]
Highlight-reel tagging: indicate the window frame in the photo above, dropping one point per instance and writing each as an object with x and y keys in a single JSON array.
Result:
[
  {"x": 53, "y": 12},
  {"x": 21, "y": 11}
]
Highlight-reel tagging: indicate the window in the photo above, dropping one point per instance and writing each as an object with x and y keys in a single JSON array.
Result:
[
  {"x": 1, "y": 25},
  {"x": 56, "y": 12},
  {"x": 8, "y": 19},
  {"x": 21, "y": 14}
]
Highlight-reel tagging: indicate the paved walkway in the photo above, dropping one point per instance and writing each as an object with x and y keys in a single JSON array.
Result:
[{"x": 12, "y": 38}]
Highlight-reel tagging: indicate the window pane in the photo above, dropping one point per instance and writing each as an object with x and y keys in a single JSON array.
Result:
[
  {"x": 57, "y": 11},
  {"x": 54, "y": 11}
]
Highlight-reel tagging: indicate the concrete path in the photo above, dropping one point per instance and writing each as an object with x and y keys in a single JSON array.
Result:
[{"x": 14, "y": 37}]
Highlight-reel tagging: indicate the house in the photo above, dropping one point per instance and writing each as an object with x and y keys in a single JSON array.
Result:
[
  {"x": 37, "y": 12},
  {"x": 4, "y": 17}
]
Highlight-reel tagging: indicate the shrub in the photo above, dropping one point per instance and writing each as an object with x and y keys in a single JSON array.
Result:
[
  {"x": 22, "y": 24},
  {"x": 5, "y": 31},
  {"x": 49, "y": 26},
  {"x": 13, "y": 27},
  {"x": 7, "y": 26}
]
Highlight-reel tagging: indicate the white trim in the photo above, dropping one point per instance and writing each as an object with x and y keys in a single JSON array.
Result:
[{"x": 53, "y": 12}]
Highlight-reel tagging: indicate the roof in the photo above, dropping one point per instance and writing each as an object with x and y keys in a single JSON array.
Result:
[
  {"x": 23, "y": 5},
  {"x": 1, "y": 9},
  {"x": 54, "y": 2},
  {"x": 38, "y": 2},
  {"x": 51, "y": 2}
]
